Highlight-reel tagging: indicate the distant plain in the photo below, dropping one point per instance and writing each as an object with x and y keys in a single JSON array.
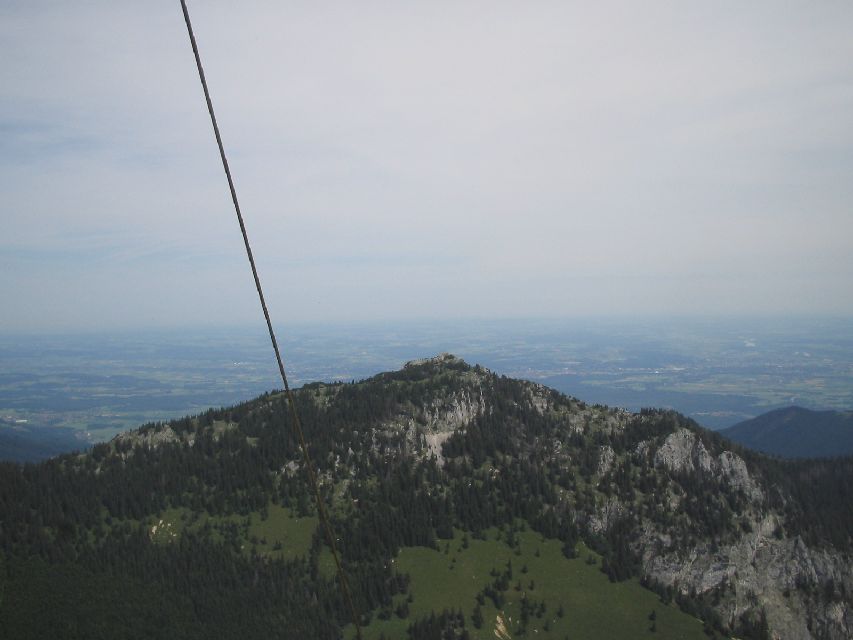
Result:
[{"x": 716, "y": 371}]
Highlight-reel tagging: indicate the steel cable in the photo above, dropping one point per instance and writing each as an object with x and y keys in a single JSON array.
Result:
[{"x": 297, "y": 425}]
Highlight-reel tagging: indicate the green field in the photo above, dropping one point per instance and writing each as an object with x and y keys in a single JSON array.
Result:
[
  {"x": 580, "y": 602},
  {"x": 278, "y": 534},
  {"x": 592, "y": 606}
]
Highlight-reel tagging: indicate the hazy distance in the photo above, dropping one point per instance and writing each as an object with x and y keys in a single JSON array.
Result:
[
  {"x": 428, "y": 160},
  {"x": 717, "y": 372}
]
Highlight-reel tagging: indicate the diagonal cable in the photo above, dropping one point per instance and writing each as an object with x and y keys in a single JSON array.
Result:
[{"x": 297, "y": 425}]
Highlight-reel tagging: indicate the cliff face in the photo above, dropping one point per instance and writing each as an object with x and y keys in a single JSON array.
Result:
[
  {"x": 753, "y": 571},
  {"x": 795, "y": 585}
]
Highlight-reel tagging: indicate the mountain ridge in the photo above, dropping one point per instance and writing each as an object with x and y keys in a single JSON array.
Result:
[
  {"x": 735, "y": 537},
  {"x": 796, "y": 432},
  {"x": 25, "y": 443}
]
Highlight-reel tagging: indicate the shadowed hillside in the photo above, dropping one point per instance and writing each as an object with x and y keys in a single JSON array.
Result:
[{"x": 795, "y": 432}]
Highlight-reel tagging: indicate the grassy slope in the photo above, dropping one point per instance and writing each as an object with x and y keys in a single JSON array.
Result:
[
  {"x": 452, "y": 576},
  {"x": 593, "y": 606},
  {"x": 293, "y": 534}
]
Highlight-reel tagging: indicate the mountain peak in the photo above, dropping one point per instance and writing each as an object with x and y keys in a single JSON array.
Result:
[
  {"x": 442, "y": 359},
  {"x": 412, "y": 458}
]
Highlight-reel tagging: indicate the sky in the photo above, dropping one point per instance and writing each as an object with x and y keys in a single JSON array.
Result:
[{"x": 424, "y": 160}]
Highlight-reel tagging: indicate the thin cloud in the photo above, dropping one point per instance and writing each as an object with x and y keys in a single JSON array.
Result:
[{"x": 427, "y": 160}]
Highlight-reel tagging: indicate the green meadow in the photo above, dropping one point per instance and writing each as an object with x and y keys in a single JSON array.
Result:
[
  {"x": 567, "y": 598},
  {"x": 579, "y": 601}
]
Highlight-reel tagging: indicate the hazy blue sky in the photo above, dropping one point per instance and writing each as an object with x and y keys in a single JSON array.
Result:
[{"x": 425, "y": 159}]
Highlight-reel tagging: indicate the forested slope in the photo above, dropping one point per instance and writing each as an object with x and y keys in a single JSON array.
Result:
[
  {"x": 168, "y": 530},
  {"x": 795, "y": 432}
]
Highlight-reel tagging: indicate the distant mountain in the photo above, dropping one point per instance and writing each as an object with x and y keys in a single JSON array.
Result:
[
  {"x": 24, "y": 443},
  {"x": 795, "y": 432}
]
